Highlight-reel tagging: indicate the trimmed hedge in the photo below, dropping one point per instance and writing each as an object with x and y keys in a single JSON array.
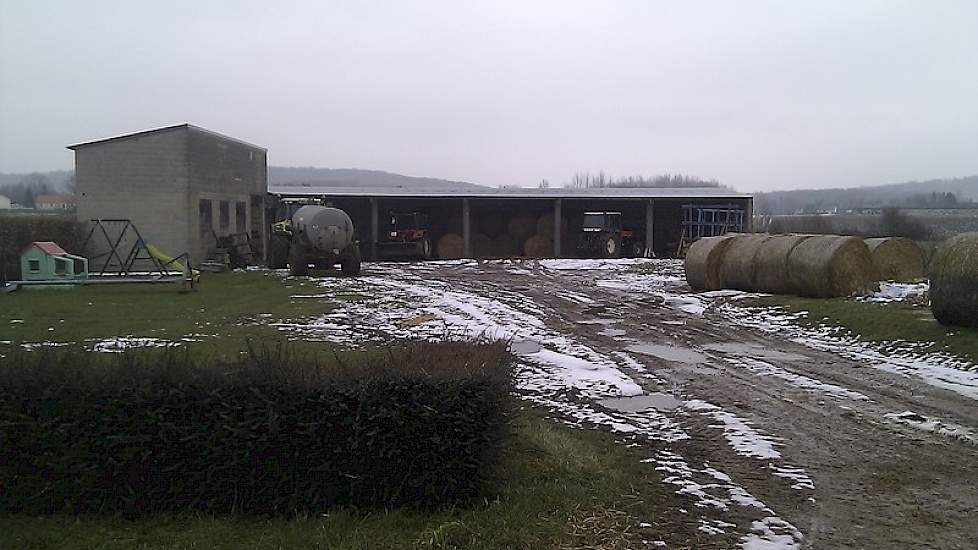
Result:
[
  {"x": 19, "y": 230},
  {"x": 420, "y": 424}
]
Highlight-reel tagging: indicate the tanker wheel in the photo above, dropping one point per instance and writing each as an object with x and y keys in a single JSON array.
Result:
[
  {"x": 350, "y": 266},
  {"x": 298, "y": 266},
  {"x": 278, "y": 252},
  {"x": 610, "y": 247}
]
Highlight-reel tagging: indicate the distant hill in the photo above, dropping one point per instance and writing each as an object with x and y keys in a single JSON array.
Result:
[
  {"x": 932, "y": 193},
  {"x": 290, "y": 177}
]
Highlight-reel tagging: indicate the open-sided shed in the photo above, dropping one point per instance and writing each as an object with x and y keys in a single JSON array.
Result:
[{"x": 662, "y": 218}]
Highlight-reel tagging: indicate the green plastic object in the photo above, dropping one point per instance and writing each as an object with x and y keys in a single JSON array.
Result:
[{"x": 46, "y": 261}]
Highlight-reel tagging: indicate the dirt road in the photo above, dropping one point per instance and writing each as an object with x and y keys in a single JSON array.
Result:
[{"x": 775, "y": 439}]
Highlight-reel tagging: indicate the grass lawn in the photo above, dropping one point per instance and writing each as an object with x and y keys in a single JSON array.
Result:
[
  {"x": 227, "y": 309},
  {"x": 560, "y": 488},
  {"x": 881, "y": 322}
]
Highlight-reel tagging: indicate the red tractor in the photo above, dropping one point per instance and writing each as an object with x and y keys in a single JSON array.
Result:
[
  {"x": 408, "y": 236},
  {"x": 603, "y": 236}
]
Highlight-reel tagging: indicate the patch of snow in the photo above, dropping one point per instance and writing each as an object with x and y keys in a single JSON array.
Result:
[
  {"x": 744, "y": 439},
  {"x": 934, "y": 425},
  {"x": 119, "y": 344},
  {"x": 897, "y": 292},
  {"x": 764, "y": 368}
]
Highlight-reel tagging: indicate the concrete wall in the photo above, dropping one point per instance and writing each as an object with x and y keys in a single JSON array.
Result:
[
  {"x": 144, "y": 179},
  {"x": 158, "y": 180},
  {"x": 226, "y": 174}
]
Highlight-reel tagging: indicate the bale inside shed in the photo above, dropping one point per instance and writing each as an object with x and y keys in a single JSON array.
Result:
[
  {"x": 450, "y": 246},
  {"x": 771, "y": 273},
  {"x": 538, "y": 246},
  {"x": 827, "y": 266},
  {"x": 897, "y": 259},
  {"x": 505, "y": 246},
  {"x": 703, "y": 261},
  {"x": 481, "y": 245},
  {"x": 739, "y": 265},
  {"x": 545, "y": 225},
  {"x": 954, "y": 281},
  {"x": 521, "y": 226},
  {"x": 490, "y": 224}
]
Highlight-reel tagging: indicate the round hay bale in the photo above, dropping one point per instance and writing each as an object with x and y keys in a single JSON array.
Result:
[
  {"x": 771, "y": 271},
  {"x": 739, "y": 264},
  {"x": 897, "y": 259},
  {"x": 450, "y": 246},
  {"x": 490, "y": 224},
  {"x": 521, "y": 226},
  {"x": 703, "y": 261},
  {"x": 481, "y": 245},
  {"x": 954, "y": 281},
  {"x": 545, "y": 225},
  {"x": 538, "y": 246},
  {"x": 505, "y": 246},
  {"x": 829, "y": 266}
]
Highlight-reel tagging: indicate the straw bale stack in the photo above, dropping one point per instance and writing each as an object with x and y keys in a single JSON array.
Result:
[
  {"x": 703, "y": 262},
  {"x": 739, "y": 264},
  {"x": 826, "y": 266},
  {"x": 954, "y": 281},
  {"x": 538, "y": 246},
  {"x": 521, "y": 226},
  {"x": 481, "y": 245},
  {"x": 450, "y": 246},
  {"x": 771, "y": 271},
  {"x": 897, "y": 259}
]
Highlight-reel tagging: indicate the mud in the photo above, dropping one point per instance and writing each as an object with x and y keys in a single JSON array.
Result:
[{"x": 776, "y": 444}]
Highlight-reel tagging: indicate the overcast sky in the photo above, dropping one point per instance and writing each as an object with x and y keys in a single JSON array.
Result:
[{"x": 760, "y": 95}]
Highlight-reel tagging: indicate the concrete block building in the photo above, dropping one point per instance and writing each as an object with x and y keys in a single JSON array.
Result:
[{"x": 182, "y": 186}]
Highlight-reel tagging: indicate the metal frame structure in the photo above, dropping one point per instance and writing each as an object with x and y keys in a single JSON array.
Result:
[
  {"x": 137, "y": 252},
  {"x": 709, "y": 220}
]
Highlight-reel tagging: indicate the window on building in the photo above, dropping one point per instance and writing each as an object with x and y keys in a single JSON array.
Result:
[
  {"x": 34, "y": 265},
  {"x": 205, "y": 217},
  {"x": 241, "y": 217},
  {"x": 225, "y": 219},
  {"x": 59, "y": 267}
]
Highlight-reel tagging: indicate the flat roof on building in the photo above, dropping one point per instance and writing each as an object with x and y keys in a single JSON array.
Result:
[
  {"x": 186, "y": 125},
  {"x": 514, "y": 193}
]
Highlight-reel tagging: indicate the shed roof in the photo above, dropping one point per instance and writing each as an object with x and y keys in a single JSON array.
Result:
[
  {"x": 514, "y": 193},
  {"x": 185, "y": 125},
  {"x": 48, "y": 247}
]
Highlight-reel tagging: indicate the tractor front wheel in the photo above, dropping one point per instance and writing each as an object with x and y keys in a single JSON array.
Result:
[
  {"x": 611, "y": 247},
  {"x": 426, "y": 248}
]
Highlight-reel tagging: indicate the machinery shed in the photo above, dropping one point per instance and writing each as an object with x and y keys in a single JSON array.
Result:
[{"x": 512, "y": 222}]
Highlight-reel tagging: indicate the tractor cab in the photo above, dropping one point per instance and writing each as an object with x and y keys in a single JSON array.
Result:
[
  {"x": 602, "y": 221},
  {"x": 406, "y": 226}
]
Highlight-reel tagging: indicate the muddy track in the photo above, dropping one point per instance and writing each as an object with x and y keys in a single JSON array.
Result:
[
  {"x": 877, "y": 484},
  {"x": 770, "y": 442}
]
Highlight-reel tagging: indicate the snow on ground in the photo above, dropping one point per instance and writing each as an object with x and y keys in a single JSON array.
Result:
[
  {"x": 934, "y": 425},
  {"x": 744, "y": 439},
  {"x": 937, "y": 369},
  {"x": 119, "y": 344},
  {"x": 897, "y": 292}
]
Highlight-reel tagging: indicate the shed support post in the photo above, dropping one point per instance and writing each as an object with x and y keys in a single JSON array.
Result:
[
  {"x": 557, "y": 227},
  {"x": 749, "y": 216},
  {"x": 374, "y": 223},
  {"x": 466, "y": 229},
  {"x": 649, "y": 233}
]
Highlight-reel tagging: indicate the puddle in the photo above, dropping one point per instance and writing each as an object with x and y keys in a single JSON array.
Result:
[
  {"x": 669, "y": 353},
  {"x": 657, "y": 400},
  {"x": 524, "y": 347},
  {"x": 598, "y": 322},
  {"x": 754, "y": 351},
  {"x": 613, "y": 332}
]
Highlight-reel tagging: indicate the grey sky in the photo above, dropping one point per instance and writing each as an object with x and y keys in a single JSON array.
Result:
[{"x": 760, "y": 95}]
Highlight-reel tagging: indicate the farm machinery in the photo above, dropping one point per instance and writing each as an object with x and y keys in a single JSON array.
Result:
[
  {"x": 409, "y": 236},
  {"x": 603, "y": 236},
  {"x": 315, "y": 236}
]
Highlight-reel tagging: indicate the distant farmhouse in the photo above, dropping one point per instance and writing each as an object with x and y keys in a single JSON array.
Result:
[{"x": 55, "y": 202}]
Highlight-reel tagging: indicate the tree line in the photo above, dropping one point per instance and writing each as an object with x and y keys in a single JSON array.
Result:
[
  {"x": 22, "y": 189},
  {"x": 599, "y": 180}
]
